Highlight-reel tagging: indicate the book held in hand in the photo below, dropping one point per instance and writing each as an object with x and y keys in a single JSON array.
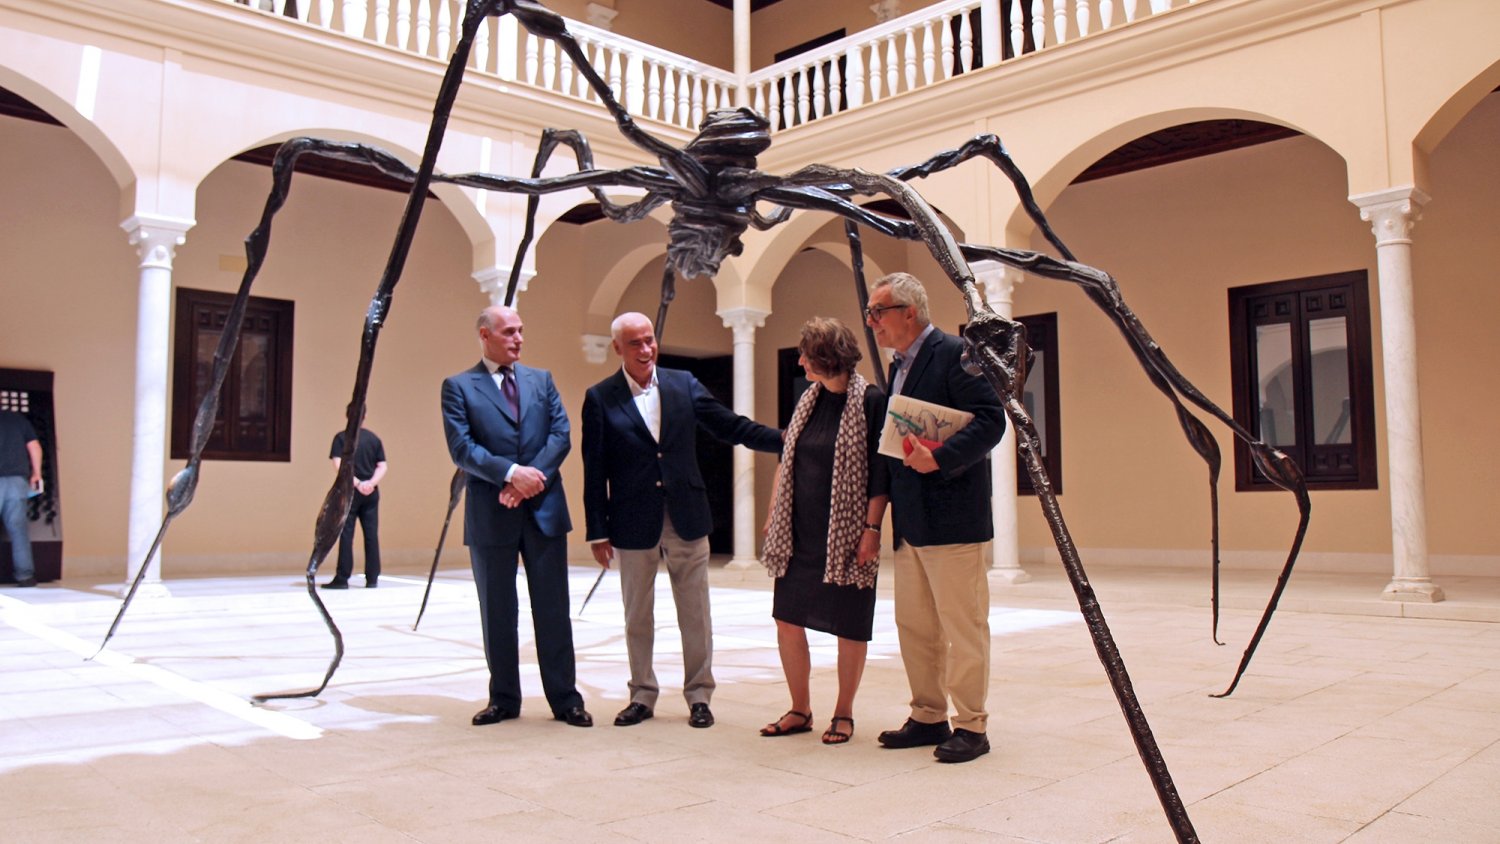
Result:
[{"x": 932, "y": 424}]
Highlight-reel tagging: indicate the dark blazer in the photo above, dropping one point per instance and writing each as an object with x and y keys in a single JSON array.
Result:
[
  {"x": 952, "y": 505},
  {"x": 485, "y": 441},
  {"x": 629, "y": 478}
]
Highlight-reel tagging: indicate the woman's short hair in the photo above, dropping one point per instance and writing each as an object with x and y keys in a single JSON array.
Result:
[{"x": 829, "y": 346}]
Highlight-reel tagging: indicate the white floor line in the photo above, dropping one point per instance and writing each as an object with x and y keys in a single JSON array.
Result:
[{"x": 20, "y": 616}]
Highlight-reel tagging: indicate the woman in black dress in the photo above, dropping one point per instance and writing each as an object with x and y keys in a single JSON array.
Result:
[{"x": 823, "y": 531}]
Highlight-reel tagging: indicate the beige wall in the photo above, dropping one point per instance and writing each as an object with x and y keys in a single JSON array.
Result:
[
  {"x": 1176, "y": 237},
  {"x": 69, "y": 306}
]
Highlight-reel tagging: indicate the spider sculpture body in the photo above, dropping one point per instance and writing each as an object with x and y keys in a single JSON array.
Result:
[{"x": 714, "y": 190}]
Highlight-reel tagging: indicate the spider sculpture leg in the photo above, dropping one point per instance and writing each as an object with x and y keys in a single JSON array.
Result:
[
  {"x": 1272, "y": 462},
  {"x": 336, "y": 505},
  {"x": 862, "y": 292},
  {"x": 455, "y": 494},
  {"x": 1105, "y": 292},
  {"x": 998, "y": 349}
]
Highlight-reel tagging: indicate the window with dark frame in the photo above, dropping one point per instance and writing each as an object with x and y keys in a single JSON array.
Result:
[
  {"x": 1303, "y": 378},
  {"x": 1040, "y": 397},
  {"x": 254, "y": 421}
]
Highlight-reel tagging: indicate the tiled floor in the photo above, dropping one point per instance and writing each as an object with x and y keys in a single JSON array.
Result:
[{"x": 1352, "y": 724}]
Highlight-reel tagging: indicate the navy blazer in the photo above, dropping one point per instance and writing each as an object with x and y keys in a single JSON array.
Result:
[
  {"x": 630, "y": 479},
  {"x": 952, "y": 505},
  {"x": 484, "y": 440}
]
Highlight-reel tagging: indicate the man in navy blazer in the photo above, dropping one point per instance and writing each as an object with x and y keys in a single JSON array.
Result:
[
  {"x": 940, "y": 511},
  {"x": 645, "y": 501},
  {"x": 508, "y": 431}
]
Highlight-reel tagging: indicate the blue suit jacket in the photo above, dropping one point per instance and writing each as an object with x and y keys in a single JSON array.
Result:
[
  {"x": 952, "y": 505},
  {"x": 485, "y": 441},
  {"x": 630, "y": 479}
]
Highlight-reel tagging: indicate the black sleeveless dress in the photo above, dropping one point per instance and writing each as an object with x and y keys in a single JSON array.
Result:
[{"x": 801, "y": 596}]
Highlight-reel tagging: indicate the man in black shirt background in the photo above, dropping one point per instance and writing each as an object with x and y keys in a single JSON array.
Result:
[{"x": 369, "y": 469}]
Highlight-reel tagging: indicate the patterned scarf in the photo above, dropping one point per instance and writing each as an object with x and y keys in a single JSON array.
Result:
[{"x": 849, "y": 506}]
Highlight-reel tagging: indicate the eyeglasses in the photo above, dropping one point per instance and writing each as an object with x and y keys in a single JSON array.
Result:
[{"x": 874, "y": 313}]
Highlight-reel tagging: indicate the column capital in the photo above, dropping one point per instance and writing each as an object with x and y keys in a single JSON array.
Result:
[
  {"x": 998, "y": 281},
  {"x": 744, "y": 321},
  {"x": 156, "y": 238},
  {"x": 886, "y": 10},
  {"x": 1392, "y": 212},
  {"x": 597, "y": 14},
  {"x": 493, "y": 280},
  {"x": 595, "y": 347}
]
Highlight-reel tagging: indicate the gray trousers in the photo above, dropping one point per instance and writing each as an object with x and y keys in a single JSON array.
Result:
[{"x": 687, "y": 567}]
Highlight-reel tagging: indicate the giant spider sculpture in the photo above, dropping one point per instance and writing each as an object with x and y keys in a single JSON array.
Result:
[{"x": 714, "y": 190}]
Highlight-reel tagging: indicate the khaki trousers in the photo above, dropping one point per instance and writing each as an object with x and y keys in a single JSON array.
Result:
[
  {"x": 943, "y": 622},
  {"x": 687, "y": 567}
]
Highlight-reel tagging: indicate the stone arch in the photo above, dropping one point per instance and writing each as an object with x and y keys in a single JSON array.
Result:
[
  {"x": 1448, "y": 113},
  {"x": 1048, "y": 185},
  {"x": 93, "y": 137}
]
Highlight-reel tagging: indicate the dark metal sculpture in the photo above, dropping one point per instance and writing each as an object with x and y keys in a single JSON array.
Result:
[
  {"x": 455, "y": 495},
  {"x": 714, "y": 188}
]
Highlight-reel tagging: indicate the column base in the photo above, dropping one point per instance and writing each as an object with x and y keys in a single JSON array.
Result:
[
  {"x": 148, "y": 590},
  {"x": 742, "y": 564},
  {"x": 1009, "y": 576},
  {"x": 1415, "y": 589}
]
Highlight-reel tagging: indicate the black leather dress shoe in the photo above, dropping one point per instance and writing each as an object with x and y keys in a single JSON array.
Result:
[
  {"x": 336, "y": 584},
  {"x": 916, "y": 734},
  {"x": 576, "y": 716},
  {"x": 26, "y": 582},
  {"x": 631, "y": 715},
  {"x": 372, "y": 582},
  {"x": 964, "y": 746},
  {"x": 493, "y": 714},
  {"x": 699, "y": 715}
]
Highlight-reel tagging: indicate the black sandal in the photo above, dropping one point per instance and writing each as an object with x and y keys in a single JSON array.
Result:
[
  {"x": 774, "y": 728},
  {"x": 833, "y": 736}
]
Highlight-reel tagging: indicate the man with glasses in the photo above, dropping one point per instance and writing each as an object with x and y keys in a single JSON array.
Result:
[{"x": 940, "y": 503}]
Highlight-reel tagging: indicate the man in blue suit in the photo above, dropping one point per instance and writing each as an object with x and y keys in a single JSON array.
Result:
[
  {"x": 940, "y": 511},
  {"x": 645, "y": 501},
  {"x": 508, "y": 431}
]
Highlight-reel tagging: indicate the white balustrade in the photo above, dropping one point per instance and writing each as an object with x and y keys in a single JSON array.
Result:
[
  {"x": 382, "y": 20},
  {"x": 914, "y": 51}
]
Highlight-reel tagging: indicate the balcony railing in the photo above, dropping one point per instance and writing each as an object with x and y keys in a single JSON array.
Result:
[
  {"x": 905, "y": 54},
  {"x": 927, "y": 47}
]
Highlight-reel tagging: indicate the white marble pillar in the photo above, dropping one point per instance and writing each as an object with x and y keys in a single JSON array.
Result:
[
  {"x": 999, "y": 283},
  {"x": 744, "y": 321},
  {"x": 1392, "y": 213},
  {"x": 741, "y": 53},
  {"x": 156, "y": 240}
]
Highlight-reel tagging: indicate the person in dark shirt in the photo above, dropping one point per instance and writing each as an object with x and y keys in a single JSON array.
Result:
[
  {"x": 20, "y": 476},
  {"x": 369, "y": 470}
]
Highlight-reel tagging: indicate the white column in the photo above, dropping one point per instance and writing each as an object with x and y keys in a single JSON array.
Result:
[
  {"x": 741, "y": 53},
  {"x": 1392, "y": 213},
  {"x": 744, "y": 321},
  {"x": 999, "y": 284},
  {"x": 156, "y": 240}
]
